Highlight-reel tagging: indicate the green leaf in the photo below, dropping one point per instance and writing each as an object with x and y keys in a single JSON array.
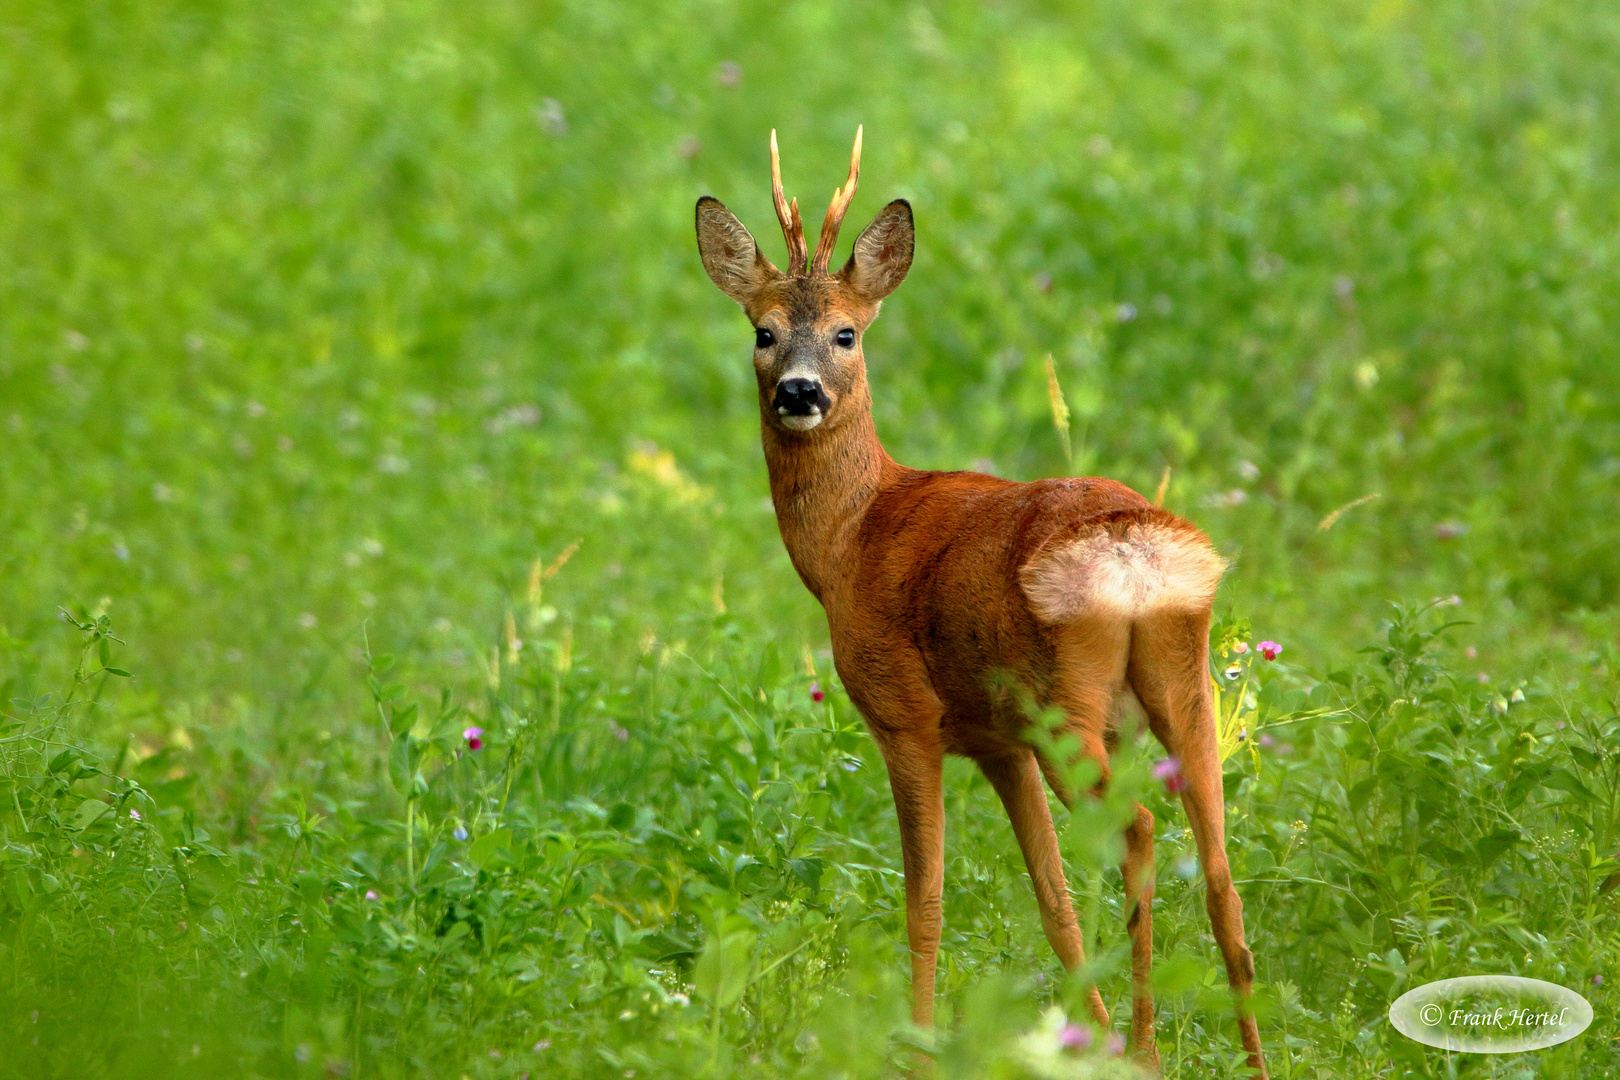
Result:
[
  {"x": 1259, "y": 861},
  {"x": 399, "y": 765},
  {"x": 807, "y": 871},
  {"x": 402, "y": 719},
  {"x": 120, "y": 672},
  {"x": 1493, "y": 847},
  {"x": 622, "y": 816},
  {"x": 1178, "y": 974},
  {"x": 89, "y": 812},
  {"x": 490, "y": 848},
  {"x": 1564, "y": 780},
  {"x": 1230, "y": 782},
  {"x": 1585, "y": 758},
  {"x": 721, "y": 974},
  {"x": 1361, "y": 794},
  {"x": 172, "y": 792},
  {"x": 310, "y": 886}
]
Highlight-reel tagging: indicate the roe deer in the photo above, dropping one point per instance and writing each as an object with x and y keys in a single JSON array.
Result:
[{"x": 938, "y": 583}]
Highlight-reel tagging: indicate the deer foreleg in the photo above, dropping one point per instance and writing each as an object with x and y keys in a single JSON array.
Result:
[{"x": 916, "y": 775}]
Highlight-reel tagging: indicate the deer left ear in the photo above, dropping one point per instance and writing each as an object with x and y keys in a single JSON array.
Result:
[
  {"x": 882, "y": 253},
  {"x": 732, "y": 259}
]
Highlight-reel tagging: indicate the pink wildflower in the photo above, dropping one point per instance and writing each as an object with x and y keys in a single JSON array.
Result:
[
  {"x": 1168, "y": 772},
  {"x": 815, "y": 692},
  {"x": 371, "y": 894},
  {"x": 134, "y": 814},
  {"x": 1074, "y": 1037},
  {"x": 474, "y": 737},
  {"x": 1269, "y": 649},
  {"x": 1241, "y": 647},
  {"x": 1116, "y": 1044}
]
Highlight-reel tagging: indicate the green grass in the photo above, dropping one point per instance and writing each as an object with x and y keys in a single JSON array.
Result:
[{"x": 320, "y": 324}]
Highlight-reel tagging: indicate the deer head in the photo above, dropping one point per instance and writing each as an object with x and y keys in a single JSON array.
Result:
[{"x": 808, "y": 324}]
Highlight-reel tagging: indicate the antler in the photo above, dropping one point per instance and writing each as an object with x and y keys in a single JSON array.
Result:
[
  {"x": 835, "y": 211},
  {"x": 788, "y": 215}
]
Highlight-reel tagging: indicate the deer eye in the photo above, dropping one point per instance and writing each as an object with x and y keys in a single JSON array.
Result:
[
  {"x": 846, "y": 338},
  {"x": 763, "y": 338}
]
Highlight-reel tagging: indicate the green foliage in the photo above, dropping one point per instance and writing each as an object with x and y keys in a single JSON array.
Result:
[{"x": 356, "y": 359}]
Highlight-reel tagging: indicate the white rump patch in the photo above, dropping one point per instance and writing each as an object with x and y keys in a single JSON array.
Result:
[{"x": 1148, "y": 568}]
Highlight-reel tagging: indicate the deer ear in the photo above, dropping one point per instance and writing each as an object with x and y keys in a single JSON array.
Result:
[
  {"x": 882, "y": 252},
  {"x": 730, "y": 256}
]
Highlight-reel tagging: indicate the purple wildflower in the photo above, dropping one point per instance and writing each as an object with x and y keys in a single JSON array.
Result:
[
  {"x": 1074, "y": 1038},
  {"x": 1168, "y": 772}
]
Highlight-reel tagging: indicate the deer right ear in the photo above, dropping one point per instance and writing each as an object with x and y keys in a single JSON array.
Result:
[
  {"x": 732, "y": 259},
  {"x": 882, "y": 252}
]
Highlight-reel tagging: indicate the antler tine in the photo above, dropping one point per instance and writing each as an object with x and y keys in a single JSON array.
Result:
[
  {"x": 835, "y": 210},
  {"x": 788, "y": 215}
]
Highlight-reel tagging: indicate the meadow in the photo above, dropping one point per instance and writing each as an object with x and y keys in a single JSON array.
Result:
[{"x": 362, "y": 398}]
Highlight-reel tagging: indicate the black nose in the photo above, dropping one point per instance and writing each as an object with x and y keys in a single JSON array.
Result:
[{"x": 800, "y": 397}]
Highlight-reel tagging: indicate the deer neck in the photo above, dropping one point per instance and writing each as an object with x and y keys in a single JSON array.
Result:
[{"x": 822, "y": 483}]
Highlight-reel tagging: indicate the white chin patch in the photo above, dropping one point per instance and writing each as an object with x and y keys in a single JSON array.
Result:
[{"x": 800, "y": 423}]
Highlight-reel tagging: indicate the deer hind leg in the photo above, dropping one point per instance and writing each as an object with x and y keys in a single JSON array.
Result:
[
  {"x": 1169, "y": 671},
  {"x": 1091, "y": 654},
  {"x": 1139, "y": 873},
  {"x": 1017, "y": 779}
]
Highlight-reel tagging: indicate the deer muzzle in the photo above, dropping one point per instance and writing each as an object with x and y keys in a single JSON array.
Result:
[{"x": 801, "y": 403}]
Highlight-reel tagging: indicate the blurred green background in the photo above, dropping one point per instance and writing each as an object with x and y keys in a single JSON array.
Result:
[{"x": 321, "y": 322}]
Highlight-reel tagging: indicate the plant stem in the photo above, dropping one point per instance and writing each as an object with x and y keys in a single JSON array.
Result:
[{"x": 410, "y": 848}]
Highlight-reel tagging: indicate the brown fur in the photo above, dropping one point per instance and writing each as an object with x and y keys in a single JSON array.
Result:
[{"x": 939, "y": 585}]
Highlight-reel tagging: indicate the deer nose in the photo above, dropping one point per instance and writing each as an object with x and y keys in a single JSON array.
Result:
[{"x": 800, "y": 397}]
